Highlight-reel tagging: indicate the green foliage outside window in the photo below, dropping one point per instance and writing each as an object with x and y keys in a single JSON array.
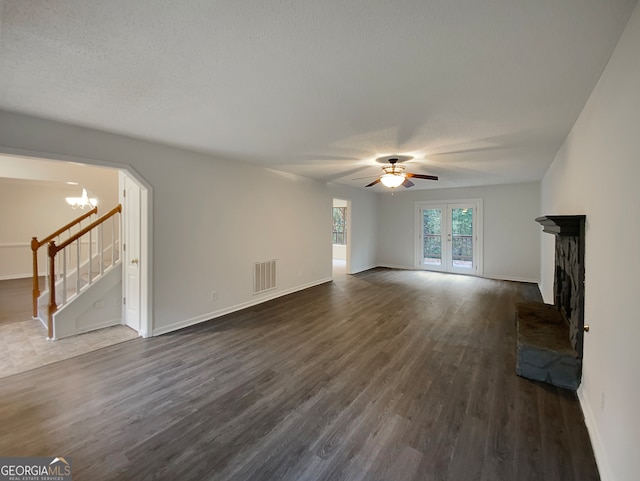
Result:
[
  {"x": 461, "y": 229},
  {"x": 462, "y": 222},
  {"x": 340, "y": 225},
  {"x": 432, "y": 225}
]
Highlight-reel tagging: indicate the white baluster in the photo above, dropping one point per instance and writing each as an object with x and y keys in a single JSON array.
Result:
[
  {"x": 64, "y": 276},
  {"x": 101, "y": 248},
  {"x": 77, "y": 266},
  {"x": 90, "y": 256},
  {"x": 113, "y": 241}
]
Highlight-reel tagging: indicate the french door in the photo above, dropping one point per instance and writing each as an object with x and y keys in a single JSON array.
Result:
[{"x": 449, "y": 237}]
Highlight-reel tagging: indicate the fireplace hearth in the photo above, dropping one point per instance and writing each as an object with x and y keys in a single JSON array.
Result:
[{"x": 550, "y": 337}]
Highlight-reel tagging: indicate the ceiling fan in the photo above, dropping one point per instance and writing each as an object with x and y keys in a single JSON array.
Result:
[{"x": 395, "y": 176}]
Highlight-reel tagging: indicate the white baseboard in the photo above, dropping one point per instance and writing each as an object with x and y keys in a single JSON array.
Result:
[
  {"x": 496, "y": 277},
  {"x": 16, "y": 276},
  {"x": 511, "y": 278},
  {"x": 228, "y": 310},
  {"x": 116, "y": 321},
  {"x": 596, "y": 439},
  {"x": 362, "y": 269},
  {"x": 394, "y": 266}
]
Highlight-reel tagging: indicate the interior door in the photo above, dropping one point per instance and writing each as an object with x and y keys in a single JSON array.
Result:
[
  {"x": 448, "y": 237},
  {"x": 131, "y": 253}
]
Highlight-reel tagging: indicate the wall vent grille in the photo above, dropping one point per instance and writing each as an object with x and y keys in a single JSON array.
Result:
[{"x": 264, "y": 276}]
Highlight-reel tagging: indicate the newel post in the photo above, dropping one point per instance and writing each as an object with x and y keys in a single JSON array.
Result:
[
  {"x": 52, "y": 288},
  {"x": 35, "y": 245}
]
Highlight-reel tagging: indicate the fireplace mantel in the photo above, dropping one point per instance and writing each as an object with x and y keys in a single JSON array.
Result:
[{"x": 562, "y": 225}]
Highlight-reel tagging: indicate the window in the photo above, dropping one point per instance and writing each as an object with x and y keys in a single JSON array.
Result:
[{"x": 340, "y": 225}]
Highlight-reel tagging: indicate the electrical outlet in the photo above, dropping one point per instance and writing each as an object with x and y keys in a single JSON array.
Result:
[{"x": 214, "y": 295}]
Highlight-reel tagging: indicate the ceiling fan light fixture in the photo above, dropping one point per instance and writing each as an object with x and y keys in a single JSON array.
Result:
[{"x": 392, "y": 180}]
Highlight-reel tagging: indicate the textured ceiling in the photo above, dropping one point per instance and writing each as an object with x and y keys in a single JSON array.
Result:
[{"x": 478, "y": 91}]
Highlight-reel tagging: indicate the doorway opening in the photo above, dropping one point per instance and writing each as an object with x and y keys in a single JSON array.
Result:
[
  {"x": 32, "y": 173},
  {"x": 449, "y": 236},
  {"x": 340, "y": 237}
]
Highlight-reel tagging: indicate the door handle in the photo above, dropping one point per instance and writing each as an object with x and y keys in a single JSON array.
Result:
[{"x": 134, "y": 261}]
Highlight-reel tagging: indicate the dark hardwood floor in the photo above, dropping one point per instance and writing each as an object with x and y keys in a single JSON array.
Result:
[{"x": 385, "y": 375}]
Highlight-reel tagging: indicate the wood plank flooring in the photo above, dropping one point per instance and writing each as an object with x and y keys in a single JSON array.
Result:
[{"x": 385, "y": 375}]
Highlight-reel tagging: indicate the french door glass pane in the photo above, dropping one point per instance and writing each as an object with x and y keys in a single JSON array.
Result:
[
  {"x": 432, "y": 246},
  {"x": 462, "y": 238}
]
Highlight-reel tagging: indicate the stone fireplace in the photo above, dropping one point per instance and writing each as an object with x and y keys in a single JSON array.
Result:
[{"x": 550, "y": 337}]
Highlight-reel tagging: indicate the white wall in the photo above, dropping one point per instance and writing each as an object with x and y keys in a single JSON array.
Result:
[
  {"x": 37, "y": 208},
  {"x": 211, "y": 218},
  {"x": 597, "y": 173},
  {"x": 363, "y": 223},
  {"x": 511, "y": 236}
]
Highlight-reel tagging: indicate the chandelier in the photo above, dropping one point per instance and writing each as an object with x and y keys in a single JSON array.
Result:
[{"x": 83, "y": 201}]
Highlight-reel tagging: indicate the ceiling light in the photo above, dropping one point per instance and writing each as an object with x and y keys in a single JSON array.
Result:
[
  {"x": 83, "y": 201},
  {"x": 393, "y": 175},
  {"x": 392, "y": 180}
]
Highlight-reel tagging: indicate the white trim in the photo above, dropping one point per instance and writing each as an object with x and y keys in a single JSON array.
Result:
[
  {"x": 498, "y": 277},
  {"x": 364, "y": 269},
  {"x": 493, "y": 277},
  {"x": 596, "y": 439},
  {"x": 397, "y": 266},
  {"x": 116, "y": 321},
  {"x": 20, "y": 276},
  {"x": 238, "y": 307}
]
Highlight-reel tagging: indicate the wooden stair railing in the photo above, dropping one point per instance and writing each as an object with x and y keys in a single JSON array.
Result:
[
  {"x": 36, "y": 244},
  {"x": 53, "y": 249}
]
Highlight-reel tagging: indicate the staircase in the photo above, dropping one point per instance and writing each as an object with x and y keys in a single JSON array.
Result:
[{"x": 83, "y": 286}]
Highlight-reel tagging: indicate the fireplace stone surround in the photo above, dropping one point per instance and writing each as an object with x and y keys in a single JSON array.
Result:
[{"x": 550, "y": 337}]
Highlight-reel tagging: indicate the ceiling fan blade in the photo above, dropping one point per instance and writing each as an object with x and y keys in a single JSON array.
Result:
[
  {"x": 373, "y": 183},
  {"x": 423, "y": 176},
  {"x": 407, "y": 183}
]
